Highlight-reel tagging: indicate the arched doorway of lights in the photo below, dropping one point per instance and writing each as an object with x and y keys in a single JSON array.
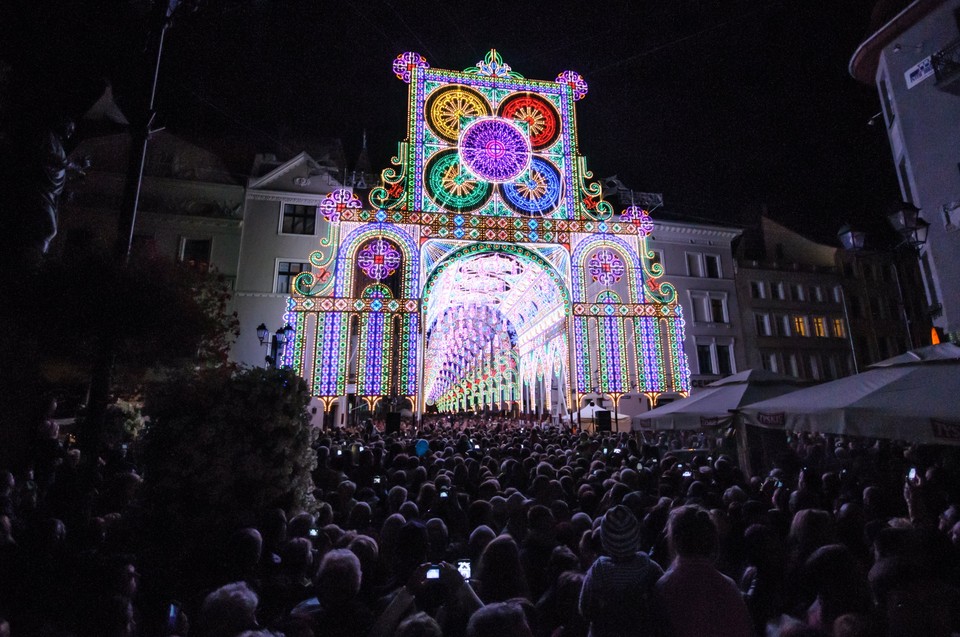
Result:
[{"x": 495, "y": 332}]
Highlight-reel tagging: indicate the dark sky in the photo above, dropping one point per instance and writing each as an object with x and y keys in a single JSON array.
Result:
[{"x": 721, "y": 105}]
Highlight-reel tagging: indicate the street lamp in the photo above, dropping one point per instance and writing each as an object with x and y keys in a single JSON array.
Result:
[
  {"x": 908, "y": 223},
  {"x": 275, "y": 342}
]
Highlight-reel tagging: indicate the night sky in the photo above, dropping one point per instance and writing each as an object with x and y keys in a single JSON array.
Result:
[{"x": 721, "y": 105}]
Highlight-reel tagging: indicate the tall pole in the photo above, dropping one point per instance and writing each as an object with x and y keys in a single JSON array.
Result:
[{"x": 141, "y": 122}]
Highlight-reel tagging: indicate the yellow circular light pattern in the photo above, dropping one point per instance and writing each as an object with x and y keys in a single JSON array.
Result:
[{"x": 448, "y": 107}]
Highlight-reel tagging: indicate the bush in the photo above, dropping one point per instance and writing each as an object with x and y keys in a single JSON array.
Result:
[{"x": 222, "y": 447}]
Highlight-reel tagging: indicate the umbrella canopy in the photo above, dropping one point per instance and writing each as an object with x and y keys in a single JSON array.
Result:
[
  {"x": 711, "y": 406},
  {"x": 913, "y": 397}
]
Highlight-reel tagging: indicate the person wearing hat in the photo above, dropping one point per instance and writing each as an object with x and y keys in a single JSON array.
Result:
[{"x": 617, "y": 594}]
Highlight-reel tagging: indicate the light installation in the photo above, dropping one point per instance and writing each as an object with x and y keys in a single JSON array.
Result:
[{"x": 486, "y": 270}]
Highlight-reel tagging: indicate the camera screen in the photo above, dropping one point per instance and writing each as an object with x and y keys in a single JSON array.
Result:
[
  {"x": 463, "y": 567},
  {"x": 433, "y": 573}
]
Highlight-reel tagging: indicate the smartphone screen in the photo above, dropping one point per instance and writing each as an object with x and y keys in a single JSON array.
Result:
[{"x": 463, "y": 567}]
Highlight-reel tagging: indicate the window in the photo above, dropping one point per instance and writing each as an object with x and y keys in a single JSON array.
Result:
[
  {"x": 839, "y": 329},
  {"x": 885, "y": 102},
  {"x": 758, "y": 290},
  {"x": 796, "y": 292},
  {"x": 705, "y": 359},
  {"x": 782, "y": 324},
  {"x": 904, "y": 171},
  {"x": 724, "y": 360},
  {"x": 709, "y": 307},
  {"x": 769, "y": 361},
  {"x": 790, "y": 365},
  {"x": 693, "y": 264},
  {"x": 778, "y": 292},
  {"x": 929, "y": 281},
  {"x": 816, "y": 293},
  {"x": 813, "y": 366},
  {"x": 298, "y": 219},
  {"x": 715, "y": 358},
  {"x": 837, "y": 294},
  {"x": 819, "y": 326},
  {"x": 718, "y": 310},
  {"x": 286, "y": 272},
  {"x": 196, "y": 253},
  {"x": 712, "y": 263},
  {"x": 763, "y": 324},
  {"x": 703, "y": 265},
  {"x": 800, "y": 325}
]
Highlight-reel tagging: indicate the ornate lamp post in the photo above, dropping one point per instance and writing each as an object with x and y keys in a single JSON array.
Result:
[{"x": 274, "y": 343}]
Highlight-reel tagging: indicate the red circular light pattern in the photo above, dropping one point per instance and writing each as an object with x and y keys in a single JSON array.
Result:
[{"x": 541, "y": 117}]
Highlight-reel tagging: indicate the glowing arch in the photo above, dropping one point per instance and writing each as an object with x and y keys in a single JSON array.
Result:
[
  {"x": 578, "y": 263},
  {"x": 346, "y": 270}
]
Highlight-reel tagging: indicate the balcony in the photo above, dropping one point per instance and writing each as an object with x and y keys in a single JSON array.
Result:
[{"x": 946, "y": 68}]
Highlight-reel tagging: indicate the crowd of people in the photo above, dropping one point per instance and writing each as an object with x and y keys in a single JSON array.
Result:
[{"x": 489, "y": 527}]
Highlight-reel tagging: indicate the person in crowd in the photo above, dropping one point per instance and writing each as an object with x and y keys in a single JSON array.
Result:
[
  {"x": 698, "y": 600},
  {"x": 618, "y": 590}
]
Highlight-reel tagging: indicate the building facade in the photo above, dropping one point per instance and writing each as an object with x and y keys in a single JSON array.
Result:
[
  {"x": 792, "y": 303},
  {"x": 913, "y": 58}
]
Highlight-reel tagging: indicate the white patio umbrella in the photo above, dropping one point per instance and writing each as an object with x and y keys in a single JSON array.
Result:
[
  {"x": 711, "y": 406},
  {"x": 913, "y": 397}
]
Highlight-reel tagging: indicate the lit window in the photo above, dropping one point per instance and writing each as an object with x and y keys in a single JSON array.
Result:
[
  {"x": 819, "y": 326},
  {"x": 299, "y": 219},
  {"x": 286, "y": 273},
  {"x": 800, "y": 325},
  {"x": 839, "y": 329}
]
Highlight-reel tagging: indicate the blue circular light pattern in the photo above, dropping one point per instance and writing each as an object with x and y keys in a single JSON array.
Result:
[
  {"x": 494, "y": 149},
  {"x": 537, "y": 191}
]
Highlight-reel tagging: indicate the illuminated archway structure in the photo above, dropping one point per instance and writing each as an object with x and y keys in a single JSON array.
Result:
[{"x": 487, "y": 271}]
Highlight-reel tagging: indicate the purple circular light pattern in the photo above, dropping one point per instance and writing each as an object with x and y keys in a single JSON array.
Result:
[
  {"x": 576, "y": 82},
  {"x": 606, "y": 267},
  {"x": 333, "y": 205},
  {"x": 406, "y": 62},
  {"x": 379, "y": 259},
  {"x": 640, "y": 218},
  {"x": 494, "y": 149}
]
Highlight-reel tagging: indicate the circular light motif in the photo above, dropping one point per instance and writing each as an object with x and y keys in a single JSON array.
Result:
[
  {"x": 406, "y": 62},
  {"x": 453, "y": 187},
  {"x": 448, "y": 107},
  {"x": 575, "y": 82},
  {"x": 537, "y": 191},
  {"x": 640, "y": 218},
  {"x": 336, "y": 202},
  {"x": 379, "y": 259},
  {"x": 606, "y": 267},
  {"x": 494, "y": 149},
  {"x": 543, "y": 121}
]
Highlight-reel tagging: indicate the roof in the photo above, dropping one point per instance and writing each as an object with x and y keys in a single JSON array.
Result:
[{"x": 863, "y": 64}]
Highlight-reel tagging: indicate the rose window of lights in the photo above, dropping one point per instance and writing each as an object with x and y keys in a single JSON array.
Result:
[
  {"x": 494, "y": 149},
  {"x": 379, "y": 259},
  {"x": 606, "y": 267}
]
